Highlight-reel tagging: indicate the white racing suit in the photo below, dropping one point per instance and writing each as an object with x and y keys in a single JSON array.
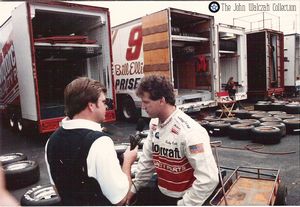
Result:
[{"x": 179, "y": 151}]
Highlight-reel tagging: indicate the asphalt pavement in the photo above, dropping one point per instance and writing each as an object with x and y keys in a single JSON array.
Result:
[{"x": 289, "y": 164}]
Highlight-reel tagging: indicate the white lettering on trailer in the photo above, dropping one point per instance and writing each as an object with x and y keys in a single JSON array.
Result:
[{"x": 8, "y": 72}]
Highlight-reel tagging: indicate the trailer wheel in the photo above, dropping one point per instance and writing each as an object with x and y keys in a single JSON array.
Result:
[
  {"x": 12, "y": 121},
  {"x": 12, "y": 157},
  {"x": 20, "y": 126},
  {"x": 281, "y": 195},
  {"x": 21, "y": 174},
  {"x": 128, "y": 110},
  {"x": 41, "y": 195}
]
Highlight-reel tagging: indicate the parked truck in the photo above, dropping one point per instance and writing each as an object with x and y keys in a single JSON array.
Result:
[
  {"x": 44, "y": 46},
  {"x": 232, "y": 62},
  {"x": 265, "y": 63},
  {"x": 174, "y": 43},
  {"x": 291, "y": 64}
]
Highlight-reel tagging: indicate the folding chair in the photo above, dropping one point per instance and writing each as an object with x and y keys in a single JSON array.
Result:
[{"x": 225, "y": 103}]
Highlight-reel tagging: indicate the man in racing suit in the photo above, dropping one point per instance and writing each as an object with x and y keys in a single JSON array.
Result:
[{"x": 177, "y": 149}]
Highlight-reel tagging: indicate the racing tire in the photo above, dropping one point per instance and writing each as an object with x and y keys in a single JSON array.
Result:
[
  {"x": 253, "y": 122},
  {"x": 279, "y": 125},
  {"x": 21, "y": 174},
  {"x": 292, "y": 126},
  {"x": 273, "y": 113},
  {"x": 266, "y": 135},
  {"x": 218, "y": 128},
  {"x": 260, "y": 115},
  {"x": 257, "y": 112},
  {"x": 281, "y": 196},
  {"x": 263, "y": 106},
  {"x": 128, "y": 110},
  {"x": 277, "y": 106},
  {"x": 240, "y": 131},
  {"x": 12, "y": 157},
  {"x": 270, "y": 119},
  {"x": 242, "y": 114},
  {"x": 204, "y": 124},
  {"x": 41, "y": 195},
  {"x": 211, "y": 118},
  {"x": 292, "y": 108},
  {"x": 231, "y": 120},
  {"x": 285, "y": 116}
]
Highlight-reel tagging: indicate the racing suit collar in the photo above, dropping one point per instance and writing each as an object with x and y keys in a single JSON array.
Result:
[{"x": 168, "y": 120}]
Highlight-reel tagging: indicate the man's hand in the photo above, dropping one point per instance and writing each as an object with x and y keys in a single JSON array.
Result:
[
  {"x": 130, "y": 195},
  {"x": 130, "y": 155},
  {"x": 129, "y": 158}
]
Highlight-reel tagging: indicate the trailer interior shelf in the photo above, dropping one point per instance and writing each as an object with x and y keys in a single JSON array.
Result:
[
  {"x": 189, "y": 38},
  {"x": 227, "y": 52},
  {"x": 64, "y": 45},
  {"x": 67, "y": 50}
]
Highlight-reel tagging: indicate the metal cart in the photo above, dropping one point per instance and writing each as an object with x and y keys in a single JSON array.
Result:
[{"x": 249, "y": 186}]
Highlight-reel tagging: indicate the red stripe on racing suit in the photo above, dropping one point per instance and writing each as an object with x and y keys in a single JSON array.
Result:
[{"x": 178, "y": 177}]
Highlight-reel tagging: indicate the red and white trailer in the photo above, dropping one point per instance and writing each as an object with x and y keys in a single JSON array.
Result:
[
  {"x": 174, "y": 43},
  {"x": 44, "y": 46}
]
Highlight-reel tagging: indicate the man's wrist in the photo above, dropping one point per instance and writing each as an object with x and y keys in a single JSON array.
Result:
[
  {"x": 133, "y": 188},
  {"x": 180, "y": 202}
]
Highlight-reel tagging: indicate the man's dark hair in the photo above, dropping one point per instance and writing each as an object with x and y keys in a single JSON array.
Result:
[
  {"x": 79, "y": 93},
  {"x": 157, "y": 87}
]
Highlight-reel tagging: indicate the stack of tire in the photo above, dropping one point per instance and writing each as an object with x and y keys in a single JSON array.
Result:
[
  {"x": 270, "y": 106},
  {"x": 254, "y": 129},
  {"x": 288, "y": 107},
  {"x": 216, "y": 126},
  {"x": 20, "y": 172}
]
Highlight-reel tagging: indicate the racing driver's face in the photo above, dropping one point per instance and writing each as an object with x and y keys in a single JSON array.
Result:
[{"x": 152, "y": 107}]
